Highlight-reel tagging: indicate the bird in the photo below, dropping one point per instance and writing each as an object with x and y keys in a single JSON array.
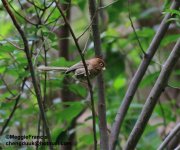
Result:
[{"x": 94, "y": 67}]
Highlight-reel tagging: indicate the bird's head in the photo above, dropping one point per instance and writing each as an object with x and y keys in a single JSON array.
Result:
[{"x": 98, "y": 63}]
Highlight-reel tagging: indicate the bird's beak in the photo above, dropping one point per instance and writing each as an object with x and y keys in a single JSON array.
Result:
[{"x": 104, "y": 68}]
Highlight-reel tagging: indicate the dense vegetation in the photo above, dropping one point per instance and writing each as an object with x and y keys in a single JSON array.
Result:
[{"x": 32, "y": 101}]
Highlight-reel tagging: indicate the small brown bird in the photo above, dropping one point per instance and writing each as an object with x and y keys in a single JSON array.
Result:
[{"x": 94, "y": 66}]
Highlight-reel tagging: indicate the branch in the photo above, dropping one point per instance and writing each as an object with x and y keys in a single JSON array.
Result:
[
  {"x": 27, "y": 20},
  {"x": 32, "y": 3},
  {"x": 87, "y": 28},
  {"x": 177, "y": 148},
  {"x": 6, "y": 85},
  {"x": 46, "y": 68},
  {"x": 31, "y": 68},
  {"x": 138, "y": 77},
  {"x": 13, "y": 44},
  {"x": 92, "y": 18},
  {"x": 104, "y": 141},
  {"x": 86, "y": 70},
  {"x": 173, "y": 87},
  {"x": 103, "y": 7},
  {"x": 129, "y": 15},
  {"x": 14, "y": 108},
  {"x": 152, "y": 99},
  {"x": 169, "y": 137}
]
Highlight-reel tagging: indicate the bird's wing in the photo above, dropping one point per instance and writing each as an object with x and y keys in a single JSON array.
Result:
[
  {"x": 80, "y": 71},
  {"x": 76, "y": 66}
]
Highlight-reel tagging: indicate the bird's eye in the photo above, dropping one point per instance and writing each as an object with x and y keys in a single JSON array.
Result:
[{"x": 101, "y": 64}]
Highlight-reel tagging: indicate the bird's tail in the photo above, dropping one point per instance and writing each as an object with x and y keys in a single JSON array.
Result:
[{"x": 48, "y": 68}]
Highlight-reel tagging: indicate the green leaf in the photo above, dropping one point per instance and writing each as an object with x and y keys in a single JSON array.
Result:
[
  {"x": 71, "y": 111},
  {"x": 119, "y": 82},
  {"x": 6, "y": 48},
  {"x": 169, "y": 39},
  {"x": 78, "y": 89},
  {"x": 2, "y": 69},
  {"x": 80, "y": 3},
  {"x": 85, "y": 140},
  {"x": 60, "y": 62},
  {"x": 176, "y": 72},
  {"x": 164, "y": 111},
  {"x": 145, "y": 32},
  {"x": 173, "y": 12},
  {"x": 150, "y": 134},
  {"x": 149, "y": 79}
]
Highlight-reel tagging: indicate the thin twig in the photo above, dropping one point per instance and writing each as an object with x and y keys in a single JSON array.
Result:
[
  {"x": 13, "y": 44},
  {"x": 55, "y": 20},
  {"x": 30, "y": 90},
  {"x": 169, "y": 137},
  {"x": 49, "y": 5},
  {"x": 85, "y": 46},
  {"x": 103, "y": 7},
  {"x": 27, "y": 20},
  {"x": 162, "y": 113},
  {"x": 87, "y": 28},
  {"x": 50, "y": 15},
  {"x": 132, "y": 25},
  {"x": 20, "y": 4},
  {"x": 14, "y": 108},
  {"x": 177, "y": 88},
  {"x": 38, "y": 129},
  {"x": 7, "y": 87},
  {"x": 45, "y": 40},
  {"x": 98, "y": 9},
  {"x": 32, "y": 3}
]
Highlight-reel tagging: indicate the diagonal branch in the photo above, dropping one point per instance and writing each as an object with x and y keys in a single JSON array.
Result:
[
  {"x": 14, "y": 108},
  {"x": 132, "y": 25},
  {"x": 86, "y": 70},
  {"x": 169, "y": 137},
  {"x": 31, "y": 68},
  {"x": 27, "y": 20},
  {"x": 138, "y": 76},
  {"x": 153, "y": 97},
  {"x": 92, "y": 18}
]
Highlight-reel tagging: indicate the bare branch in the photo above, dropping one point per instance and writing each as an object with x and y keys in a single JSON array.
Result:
[
  {"x": 27, "y": 20},
  {"x": 88, "y": 27},
  {"x": 92, "y": 18},
  {"x": 7, "y": 87},
  {"x": 103, "y": 7},
  {"x": 169, "y": 137},
  {"x": 86, "y": 44},
  {"x": 138, "y": 77},
  {"x": 13, "y": 44},
  {"x": 129, "y": 15},
  {"x": 153, "y": 97},
  {"x": 17, "y": 98}
]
